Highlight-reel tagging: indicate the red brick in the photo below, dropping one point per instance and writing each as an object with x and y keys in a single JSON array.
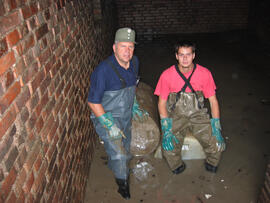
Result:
[
  {"x": 29, "y": 58},
  {"x": 31, "y": 122},
  {"x": 53, "y": 131},
  {"x": 10, "y": 95},
  {"x": 40, "y": 178},
  {"x": 8, "y": 182},
  {"x": 6, "y": 61},
  {"x": 29, "y": 183},
  {"x": 30, "y": 198},
  {"x": 45, "y": 84},
  {"x": 23, "y": 29},
  {"x": 26, "y": 12},
  {"x": 24, "y": 45},
  {"x": 47, "y": 128},
  {"x": 12, "y": 198},
  {"x": 7, "y": 121},
  {"x": 31, "y": 23},
  {"x": 13, "y": 38},
  {"x": 6, "y": 145},
  {"x": 21, "y": 198},
  {"x": 21, "y": 177},
  {"x": 9, "y": 79},
  {"x": 22, "y": 157},
  {"x": 39, "y": 124},
  {"x": 44, "y": 56},
  {"x": 12, "y": 156},
  {"x": 38, "y": 162},
  {"x": 42, "y": 104},
  {"x": 29, "y": 73},
  {"x": 22, "y": 99},
  {"x": 2, "y": 9},
  {"x": 3, "y": 46},
  {"x": 32, "y": 157},
  {"x": 19, "y": 68},
  {"x": 47, "y": 14},
  {"x": 37, "y": 80},
  {"x": 8, "y": 22},
  {"x": 1, "y": 175},
  {"x": 12, "y": 4},
  {"x": 41, "y": 31},
  {"x": 50, "y": 64},
  {"x": 34, "y": 8}
]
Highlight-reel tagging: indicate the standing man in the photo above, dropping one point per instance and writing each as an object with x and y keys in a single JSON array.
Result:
[
  {"x": 113, "y": 103},
  {"x": 181, "y": 90}
]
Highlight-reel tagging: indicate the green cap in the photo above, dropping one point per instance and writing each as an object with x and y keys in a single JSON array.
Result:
[{"x": 125, "y": 35}]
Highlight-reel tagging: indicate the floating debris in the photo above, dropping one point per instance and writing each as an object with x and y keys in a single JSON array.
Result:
[
  {"x": 141, "y": 170},
  {"x": 207, "y": 196}
]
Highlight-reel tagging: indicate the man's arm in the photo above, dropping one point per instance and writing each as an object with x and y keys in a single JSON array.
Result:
[
  {"x": 97, "y": 109},
  {"x": 168, "y": 138},
  {"x": 214, "y": 106},
  {"x": 162, "y": 108}
]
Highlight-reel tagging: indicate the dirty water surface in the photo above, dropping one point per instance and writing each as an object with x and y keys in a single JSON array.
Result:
[{"x": 242, "y": 78}]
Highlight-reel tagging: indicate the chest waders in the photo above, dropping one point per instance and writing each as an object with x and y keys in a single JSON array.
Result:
[
  {"x": 189, "y": 115},
  {"x": 119, "y": 103}
]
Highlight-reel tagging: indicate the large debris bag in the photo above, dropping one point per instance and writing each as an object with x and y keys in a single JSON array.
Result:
[{"x": 146, "y": 135}]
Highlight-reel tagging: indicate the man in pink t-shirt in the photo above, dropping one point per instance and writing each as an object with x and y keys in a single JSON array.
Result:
[{"x": 181, "y": 90}]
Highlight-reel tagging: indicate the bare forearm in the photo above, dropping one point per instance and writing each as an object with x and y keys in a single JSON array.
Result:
[
  {"x": 214, "y": 107},
  {"x": 162, "y": 108},
  {"x": 97, "y": 109}
]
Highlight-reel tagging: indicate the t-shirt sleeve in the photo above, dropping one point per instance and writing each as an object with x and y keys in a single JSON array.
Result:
[
  {"x": 97, "y": 86},
  {"x": 162, "y": 88},
  {"x": 210, "y": 86}
]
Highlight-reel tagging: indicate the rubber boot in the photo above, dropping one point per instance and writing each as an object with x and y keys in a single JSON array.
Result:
[{"x": 123, "y": 188}]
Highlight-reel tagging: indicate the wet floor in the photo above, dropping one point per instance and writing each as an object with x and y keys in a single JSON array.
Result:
[{"x": 240, "y": 68}]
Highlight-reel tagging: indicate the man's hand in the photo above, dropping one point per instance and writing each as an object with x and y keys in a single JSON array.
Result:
[
  {"x": 107, "y": 121},
  {"x": 216, "y": 131},
  {"x": 168, "y": 137},
  {"x": 139, "y": 114}
]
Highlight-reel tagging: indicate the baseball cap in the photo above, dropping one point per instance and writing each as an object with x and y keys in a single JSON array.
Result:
[{"x": 125, "y": 35}]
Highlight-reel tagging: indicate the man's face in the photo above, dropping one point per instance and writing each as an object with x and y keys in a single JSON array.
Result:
[
  {"x": 123, "y": 51},
  {"x": 185, "y": 56}
]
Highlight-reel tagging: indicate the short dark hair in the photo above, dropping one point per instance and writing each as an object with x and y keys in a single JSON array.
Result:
[{"x": 185, "y": 43}]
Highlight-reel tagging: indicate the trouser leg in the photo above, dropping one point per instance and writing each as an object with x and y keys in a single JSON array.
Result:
[
  {"x": 203, "y": 133},
  {"x": 174, "y": 158},
  {"x": 118, "y": 156}
]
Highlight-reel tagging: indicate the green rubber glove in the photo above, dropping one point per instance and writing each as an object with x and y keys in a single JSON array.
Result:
[
  {"x": 168, "y": 136},
  {"x": 216, "y": 131},
  {"x": 139, "y": 114},
  {"x": 107, "y": 121}
]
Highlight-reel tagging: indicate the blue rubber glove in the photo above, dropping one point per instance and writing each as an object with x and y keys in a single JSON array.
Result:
[
  {"x": 216, "y": 131},
  {"x": 139, "y": 114},
  {"x": 107, "y": 121},
  {"x": 168, "y": 136}
]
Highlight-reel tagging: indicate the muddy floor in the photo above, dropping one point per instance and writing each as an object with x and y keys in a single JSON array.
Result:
[{"x": 240, "y": 66}]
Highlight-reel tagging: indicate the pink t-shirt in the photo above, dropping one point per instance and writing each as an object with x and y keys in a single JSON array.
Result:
[{"x": 170, "y": 81}]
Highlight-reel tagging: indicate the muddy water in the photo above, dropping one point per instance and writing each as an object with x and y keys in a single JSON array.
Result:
[{"x": 240, "y": 69}]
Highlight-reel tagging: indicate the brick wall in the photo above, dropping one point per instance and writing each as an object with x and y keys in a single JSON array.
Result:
[
  {"x": 158, "y": 17},
  {"x": 47, "y": 52}
]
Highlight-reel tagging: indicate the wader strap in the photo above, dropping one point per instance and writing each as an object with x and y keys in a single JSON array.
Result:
[
  {"x": 187, "y": 80},
  {"x": 122, "y": 80},
  {"x": 187, "y": 83},
  {"x": 133, "y": 61}
]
